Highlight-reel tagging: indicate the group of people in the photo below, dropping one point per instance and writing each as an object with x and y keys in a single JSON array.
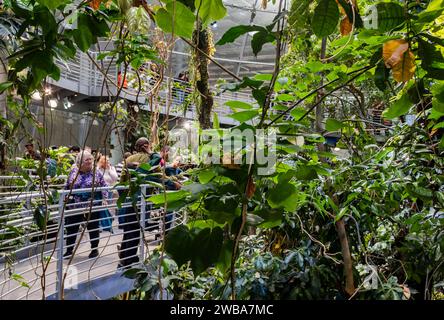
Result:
[{"x": 84, "y": 176}]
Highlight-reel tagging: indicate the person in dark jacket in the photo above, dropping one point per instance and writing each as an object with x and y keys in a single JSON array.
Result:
[{"x": 131, "y": 226}]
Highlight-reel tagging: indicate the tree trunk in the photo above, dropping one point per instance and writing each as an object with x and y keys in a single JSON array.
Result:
[
  {"x": 348, "y": 263},
  {"x": 319, "y": 109},
  {"x": 3, "y": 110},
  {"x": 202, "y": 40}
]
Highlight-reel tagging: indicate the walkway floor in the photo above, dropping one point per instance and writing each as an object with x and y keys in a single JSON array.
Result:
[{"x": 86, "y": 269}]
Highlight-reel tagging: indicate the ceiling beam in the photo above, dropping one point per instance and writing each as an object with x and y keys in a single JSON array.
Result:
[{"x": 244, "y": 43}]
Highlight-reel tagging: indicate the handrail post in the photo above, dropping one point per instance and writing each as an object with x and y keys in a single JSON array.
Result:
[
  {"x": 60, "y": 243},
  {"x": 142, "y": 222}
]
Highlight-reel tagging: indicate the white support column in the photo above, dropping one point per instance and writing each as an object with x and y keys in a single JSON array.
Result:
[
  {"x": 117, "y": 149},
  {"x": 60, "y": 245},
  {"x": 142, "y": 223}
]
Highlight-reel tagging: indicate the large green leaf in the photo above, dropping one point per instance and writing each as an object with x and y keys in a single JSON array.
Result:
[
  {"x": 304, "y": 172},
  {"x": 53, "y": 4},
  {"x": 419, "y": 192},
  {"x": 88, "y": 29},
  {"x": 206, "y": 248},
  {"x": 433, "y": 11},
  {"x": 432, "y": 59},
  {"x": 46, "y": 19},
  {"x": 259, "y": 39},
  {"x": 83, "y": 38},
  {"x": 399, "y": 108},
  {"x": 41, "y": 218},
  {"x": 238, "y": 105},
  {"x": 245, "y": 83},
  {"x": 382, "y": 74},
  {"x": 333, "y": 125},
  {"x": 244, "y": 116},
  {"x": 216, "y": 123},
  {"x": 260, "y": 95},
  {"x": 202, "y": 224},
  {"x": 438, "y": 96},
  {"x": 433, "y": 39},
  {"x": 297, "y": 113},
  {"x": 178, "y": 244},
  {"x": 298, "y": 15},
  {"x": 272, "y": 217},
  {"x": 176, "y": 15},
  {"x": 390, "y": 15},
  {"x": 224, "y": 260},
  {"x": 170, "y": 197},
  {"x": 325, "y": 18},
  {"x": 206, "y": 176},
  {"x": 210, "y": 10},
  {"x": 235, "y": 32},
  {"x": 283, "y": 196},
  {"x": 5, "y": 85},
  {"x": 222, "y": 208},
  {"x": 41, "y": 63},
  {"x": 317, "y": 66}
]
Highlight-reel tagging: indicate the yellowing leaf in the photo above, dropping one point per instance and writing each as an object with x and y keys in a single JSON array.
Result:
[
  {"x": 399, "y": 58},
  {"x": 341, "y": 9},
  {"x": 251, "y": 188},
  {"x": 95, "y": 4},
  {"x": 346, "y": 26},
  {"x": 393, "y": 51},
  {"x": 264, "y": 4},
  {"x": 405, "y": 69}
]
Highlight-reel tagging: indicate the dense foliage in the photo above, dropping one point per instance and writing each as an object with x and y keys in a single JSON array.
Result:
[{"x": 367, "y": 226}]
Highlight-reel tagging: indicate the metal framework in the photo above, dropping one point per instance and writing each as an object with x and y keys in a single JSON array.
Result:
[{"x": 25, "y": 248}]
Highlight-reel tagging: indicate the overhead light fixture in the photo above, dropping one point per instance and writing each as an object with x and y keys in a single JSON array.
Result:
[
  {"x": 36, "y": 96},
  {"x": 67, "y": 104},
  {"x": 53, "y": 103}
]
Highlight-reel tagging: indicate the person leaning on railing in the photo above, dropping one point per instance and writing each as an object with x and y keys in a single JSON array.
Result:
[
  {"x": 82, "y": 176},
  {"x": 131, "y": 231},
  {"x": 119, "y": 169},
  {"x": 131, "y": 227}
]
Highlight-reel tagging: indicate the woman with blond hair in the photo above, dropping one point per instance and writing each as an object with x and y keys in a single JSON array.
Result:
[{"x": 82, "y": 176}]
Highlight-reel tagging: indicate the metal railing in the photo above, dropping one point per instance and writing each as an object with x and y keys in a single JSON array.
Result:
[
  {"x": 32, "y": 265},
  {"x": 82, "y": 75}
]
